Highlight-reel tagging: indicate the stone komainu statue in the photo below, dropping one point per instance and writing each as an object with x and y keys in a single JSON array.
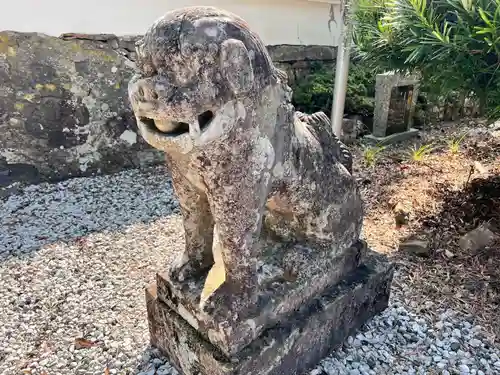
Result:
[{"x": 248, "y": 170}]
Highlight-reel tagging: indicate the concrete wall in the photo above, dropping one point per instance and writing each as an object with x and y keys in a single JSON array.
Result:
[{"x": 302, "y": 22}]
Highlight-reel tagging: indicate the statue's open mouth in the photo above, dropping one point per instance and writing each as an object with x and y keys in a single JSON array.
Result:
[{"x": 176, "y": 128}]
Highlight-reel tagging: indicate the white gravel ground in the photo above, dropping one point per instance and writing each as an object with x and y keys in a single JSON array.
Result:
[{"x": 75, "y": 258}]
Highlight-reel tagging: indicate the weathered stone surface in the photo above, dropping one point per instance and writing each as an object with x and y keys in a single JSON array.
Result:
[
  {"x": 393, "y": 138},
  {"x": 222, "y": 113},
  {"x": 272, "y": 215},
  {"x": 293, "y": 346},
  {"x": 298, "y": 60},
  {"x": 289, "y": 276},
  {"x": 478, "y": 238},
  {"x": 93, "y": 64},
  {"x": 293, "y": 53},
  {"x": 63, "y": 109},
  {"x": 351, "y": 129},
  {"x": 416, "y": 247},
  {"x": 394, "y": 115},
  {"x": 244, "y": 166}
]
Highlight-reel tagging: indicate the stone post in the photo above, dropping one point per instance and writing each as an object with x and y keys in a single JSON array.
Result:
[{"x": 393, "y": 122}]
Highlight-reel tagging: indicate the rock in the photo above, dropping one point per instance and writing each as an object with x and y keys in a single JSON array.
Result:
[
  {"x": 464, "y": 369},
  {"x": 317, "y": 371},
  {"x": 478, "y": 238},
  {"x": 402, "y": 211},
  {"x": 416, "y": 247},
  {"x": 163, "y": 370},
  {"x": 352, "y": 128},
  {"x": 495, "y": 126},
  {"x": 64, "y": 106},
  {"x": 495, "y": 133},
  {"x": 151, "y": 371},
  {"x": 297, "y": 60},
  {"x": 480, "y": 168},
  {"x": 449, "y": 254},
  {"x": 294, "y": 53},
  {"x": 95, "y": 37},
  {"x": 475, "y": 343}
]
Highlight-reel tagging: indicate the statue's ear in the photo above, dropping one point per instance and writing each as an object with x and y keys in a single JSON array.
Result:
[
  {"x": 139, "y": 47},
  {"x": 236, "y": 66}
]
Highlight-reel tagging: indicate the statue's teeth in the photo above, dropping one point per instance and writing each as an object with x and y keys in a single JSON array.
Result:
[{"x": 194, "y": 129}]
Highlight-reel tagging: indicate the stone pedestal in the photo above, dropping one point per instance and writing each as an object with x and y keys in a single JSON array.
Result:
[{"x": 280, "y": 338}]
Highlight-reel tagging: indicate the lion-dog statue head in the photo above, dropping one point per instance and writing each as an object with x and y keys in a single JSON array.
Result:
[{"x": 193, "y": 62}]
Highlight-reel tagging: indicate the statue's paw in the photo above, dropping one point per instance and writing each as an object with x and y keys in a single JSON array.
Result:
[
  {"x": 227, "y": 295},
  {"x": 221, "y": 296},
  {"x": 182, "y": 272},
  {"x": 187, "y": 270}
]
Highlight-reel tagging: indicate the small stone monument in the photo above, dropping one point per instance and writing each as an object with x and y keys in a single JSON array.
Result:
[
  {"x": 395, "y": 99},
  {"x": 273, "y": 275}
]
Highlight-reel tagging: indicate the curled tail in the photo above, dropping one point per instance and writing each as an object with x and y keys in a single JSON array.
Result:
[{"x": 320, "y": 126}]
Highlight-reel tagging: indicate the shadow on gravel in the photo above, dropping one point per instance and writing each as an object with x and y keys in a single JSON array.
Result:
[
  {"x": 36, "y": 215},
  {"x": 153, "y": 362}
]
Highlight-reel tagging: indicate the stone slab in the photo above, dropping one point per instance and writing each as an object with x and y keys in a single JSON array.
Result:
[
  {"x": 393, "y": 138},
  {"x": 289, "y": 277},
  {"x": 292, "y": 346},
  {"x": 293, "y": 53}
]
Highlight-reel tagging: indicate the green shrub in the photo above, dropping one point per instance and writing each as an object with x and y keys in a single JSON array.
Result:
[
  {"x": 454, "y": 144},
  {"x": 315, "y": 92},
  {"x": 418, "y": 154},
  {"x": 453, "y": 44},
  {"x": 371, "y": 154}
]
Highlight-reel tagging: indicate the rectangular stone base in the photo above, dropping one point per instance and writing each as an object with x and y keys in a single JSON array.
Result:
[
  {"x": 291, "y": 347},
  {"x": 393, "y": 138},
  {"x": 233, "y": 324}
]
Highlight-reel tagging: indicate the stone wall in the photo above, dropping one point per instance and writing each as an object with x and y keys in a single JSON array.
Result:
[
  {"x": 64, "y": 108},
  {"x": 295, "y": 60}
]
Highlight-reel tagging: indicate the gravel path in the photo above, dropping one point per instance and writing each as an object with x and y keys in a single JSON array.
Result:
[{"x": 75, "y": 258}]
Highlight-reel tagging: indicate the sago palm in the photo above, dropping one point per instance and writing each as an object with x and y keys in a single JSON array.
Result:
[{"x": 454, "y": 44}]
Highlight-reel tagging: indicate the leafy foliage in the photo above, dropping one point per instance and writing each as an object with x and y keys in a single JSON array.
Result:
[
  {"x": 315, "y": 92},
  {"x": 371, "y": 154},
  {"x": 453, "y": 44},
  {"x": 419, "y": 153},
  {"x": 454, "y": 144}
]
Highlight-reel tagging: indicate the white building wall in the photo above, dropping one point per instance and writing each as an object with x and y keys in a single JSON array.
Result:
[{"x": 302, "y": 22}]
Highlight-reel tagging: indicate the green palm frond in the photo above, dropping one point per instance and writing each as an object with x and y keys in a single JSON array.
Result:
[{"x": 453, "y": 43}]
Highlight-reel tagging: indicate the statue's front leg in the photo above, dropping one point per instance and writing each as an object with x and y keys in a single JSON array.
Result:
[
  {"x": 238, "y": 203},
  {"x": 198, "y": 223}
]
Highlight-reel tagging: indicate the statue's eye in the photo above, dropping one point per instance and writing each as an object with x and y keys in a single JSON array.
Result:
[{"x": 146, "y": 68}]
